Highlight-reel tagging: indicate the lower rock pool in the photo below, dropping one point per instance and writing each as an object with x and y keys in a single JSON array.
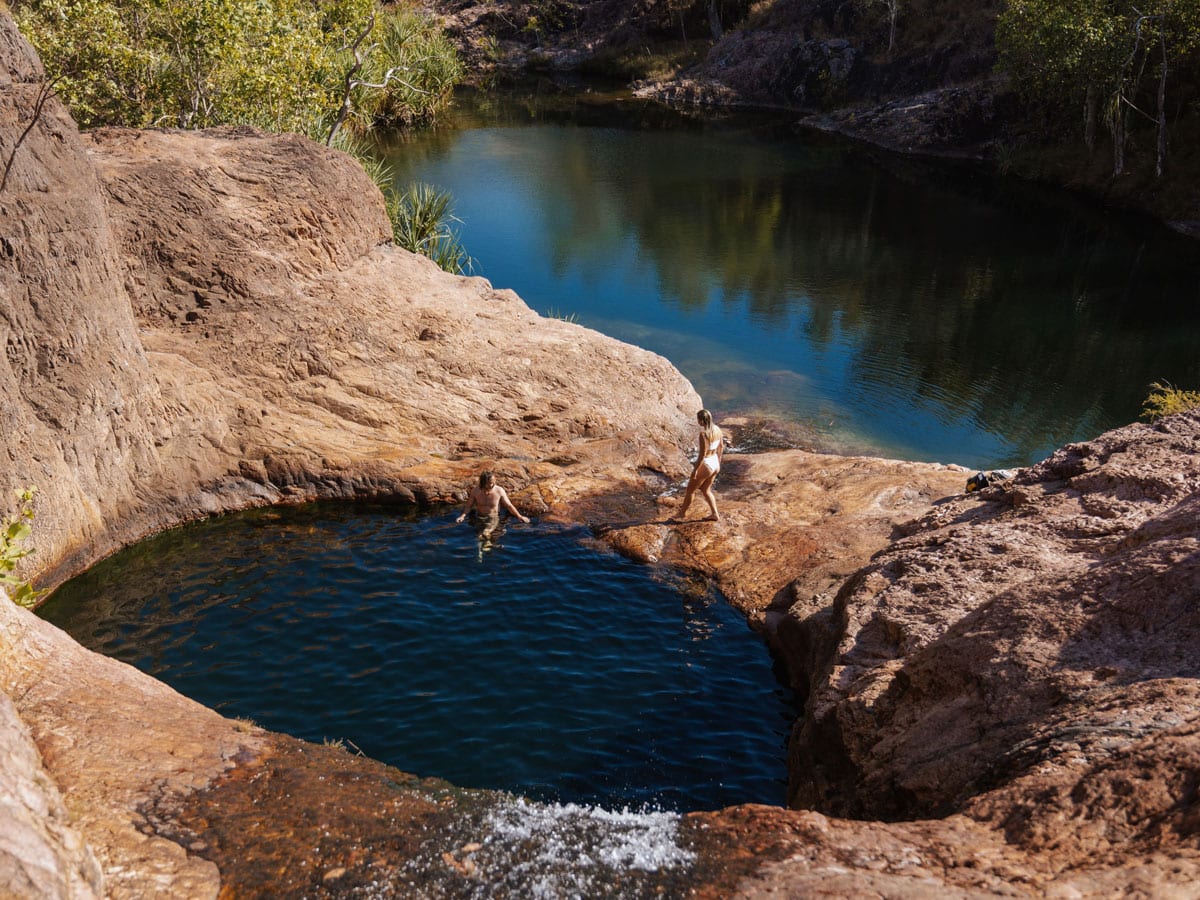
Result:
[{"x": 537, "y": 664}]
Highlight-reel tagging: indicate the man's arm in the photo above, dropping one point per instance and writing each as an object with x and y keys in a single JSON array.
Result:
[
  {"x": 508, "y": 505},
  {"x": 470, "y": 505}
]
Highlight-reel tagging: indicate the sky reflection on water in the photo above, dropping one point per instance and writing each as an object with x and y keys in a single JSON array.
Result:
[{"x": 880, "y": 305}]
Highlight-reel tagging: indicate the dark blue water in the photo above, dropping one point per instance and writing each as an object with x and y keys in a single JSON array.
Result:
[
  {"x": 875, "y": 304},
  {"x": 541, "y": 666}
]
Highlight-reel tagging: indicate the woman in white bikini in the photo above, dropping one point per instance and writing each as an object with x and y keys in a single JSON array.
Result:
[{"x": 710, "y": 450}]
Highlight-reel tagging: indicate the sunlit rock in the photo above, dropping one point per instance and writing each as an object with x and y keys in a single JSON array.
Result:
[{"x": 197, "y": 323}]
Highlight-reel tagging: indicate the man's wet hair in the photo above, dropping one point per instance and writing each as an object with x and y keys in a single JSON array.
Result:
[{"x": 485, "y": 479}]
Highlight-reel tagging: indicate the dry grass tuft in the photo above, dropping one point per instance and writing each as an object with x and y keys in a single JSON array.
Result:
[{"x": 1166, "y": 399}]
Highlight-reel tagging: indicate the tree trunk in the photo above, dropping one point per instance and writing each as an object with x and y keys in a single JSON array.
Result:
[
  {"x": 714, "y": 20},
  {"x": 1090, "y": 103},
  {"x": 1118, "y": 135},
  {"x": 1161, "y": 160},
  {"x": 350, "y": 82}
]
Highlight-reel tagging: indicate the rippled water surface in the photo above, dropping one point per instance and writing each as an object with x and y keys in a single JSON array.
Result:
[
  {"x": 541, "y": 666},
  {"x": 878, "y": 305}
]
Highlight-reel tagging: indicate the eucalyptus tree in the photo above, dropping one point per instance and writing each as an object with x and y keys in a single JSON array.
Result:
[
  {"x": 1062, "y": 54},
  {"x": 276, "y": 64},
  {"x": 893, "y": 12},
  {"x": 1177, "y": 30},
  {"x": 1113, "y": 57},
  {"x": 398, "y": 71}
]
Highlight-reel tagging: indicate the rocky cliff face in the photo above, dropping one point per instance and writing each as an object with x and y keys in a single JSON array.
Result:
[
  {"x": 201, "y": 322},
  {"x": 1047, "y": 624},
  {"x": 75, "y": 378},
  {"x": 194, "y": 323}
]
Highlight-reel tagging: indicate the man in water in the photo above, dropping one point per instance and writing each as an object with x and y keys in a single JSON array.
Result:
[{"x": 483, "y": 505}]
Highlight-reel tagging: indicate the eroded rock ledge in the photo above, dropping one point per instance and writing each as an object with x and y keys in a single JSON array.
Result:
[{"x": 201, "y": 322}]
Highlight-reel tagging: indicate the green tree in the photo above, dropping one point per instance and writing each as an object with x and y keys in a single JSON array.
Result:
[
  {"x": 102, "y": 77},
  {"x": 1101, "y": 55},
  {"x": 276, "y": 64},
  {"x": 399, "y": 71},
  {"x": 1061, "y": 54},
  {"x": 423, "y": 65},
  {"x": 1174, "y": 33},
  {"x": 331, "y": 69}
]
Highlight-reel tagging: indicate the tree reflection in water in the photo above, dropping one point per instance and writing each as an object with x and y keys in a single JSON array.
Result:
[{"x": 922, "y": 311}]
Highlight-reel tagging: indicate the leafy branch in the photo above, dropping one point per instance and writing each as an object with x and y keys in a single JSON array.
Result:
[
  {"x": 14, "y": 533},
  {"x": 352, "y": 82}
]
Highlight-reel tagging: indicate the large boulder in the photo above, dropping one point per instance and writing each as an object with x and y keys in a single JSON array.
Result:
[
  {"x": 1035, "y": 639},
  {"x": 75, "y": 383}
]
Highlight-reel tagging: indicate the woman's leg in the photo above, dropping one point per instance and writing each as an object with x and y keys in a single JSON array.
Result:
[
  {"x": 707, "y": 492},
  {"x": 687, "y": 497}
]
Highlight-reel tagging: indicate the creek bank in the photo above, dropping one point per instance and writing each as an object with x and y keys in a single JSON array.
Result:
[
  {"x": 936, "y": 94},
  {"x": 202, "y": 322}
]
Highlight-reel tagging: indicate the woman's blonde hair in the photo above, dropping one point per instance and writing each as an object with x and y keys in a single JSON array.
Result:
[{"x": 707, "y": 428}]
